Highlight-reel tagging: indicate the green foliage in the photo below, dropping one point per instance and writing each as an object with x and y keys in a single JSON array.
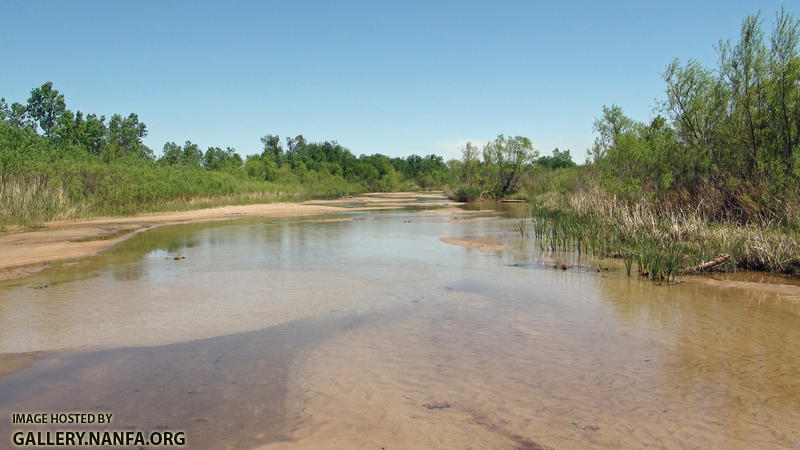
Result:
[
  {"x": 540, "y": 180},
  {"x": 89, "y": 133},
  {"x": 191, "y": 155},
  {"x": 731, "y": 137},
  {"x": 504, "y": 164},
  {"x": 658, "y": 242},
  {"x": 45, "y": 107},
  {"x": 83, "y": 165},
  {"x": 427, "y": 172},
  {"x": 466, "y": 193},
  {"x": 125, "y": 138},
  {"x": 18, "y": 117},
  {"x": 41, "y": 181},
  {"x": 272, "y": 147},
  {"x": 559, "y": 160},
  {"x": 470, "y": 163},
  {"x": 509, "y": 157},
  {"x": 217, "y": 159},
  {"x": 716, "y": 172}
]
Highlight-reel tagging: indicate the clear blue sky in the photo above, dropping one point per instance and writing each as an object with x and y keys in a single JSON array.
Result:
[{"x": 394, "y": 78}]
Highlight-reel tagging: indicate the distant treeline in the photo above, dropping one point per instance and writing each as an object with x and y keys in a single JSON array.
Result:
[{"x": 64, "y": 134}]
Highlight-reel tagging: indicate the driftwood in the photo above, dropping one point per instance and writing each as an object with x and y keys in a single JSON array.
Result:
[
  {"x": 511, "y": 200},
  {"x": 706, "y": 265}
]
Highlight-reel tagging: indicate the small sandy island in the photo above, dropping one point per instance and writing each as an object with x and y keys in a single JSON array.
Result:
[
  {"x": 26, "y": 251},
  {"x": 483, "y": 243}
]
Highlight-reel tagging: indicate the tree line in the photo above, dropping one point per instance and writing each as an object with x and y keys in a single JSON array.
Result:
[
  {"x": 45, "y": 131},
  {"x": 62, "y": 133}
]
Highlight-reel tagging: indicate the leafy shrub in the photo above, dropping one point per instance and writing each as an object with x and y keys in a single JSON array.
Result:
[{"x": 466, "y": 194}]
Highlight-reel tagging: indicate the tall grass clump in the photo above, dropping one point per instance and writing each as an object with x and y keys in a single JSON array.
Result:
[
  {"x": 39, "y": 192},
  {"x": 33, "y": 200},
  {"x": 659, "y": 242}
]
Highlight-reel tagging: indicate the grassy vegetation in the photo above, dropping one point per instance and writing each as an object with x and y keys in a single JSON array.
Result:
[
  {"x": 31, "y": 200},
  {"x": 658, "y": 242},
  {"x": 466, "y": 194},
  {"x": 34, "y": 193}
]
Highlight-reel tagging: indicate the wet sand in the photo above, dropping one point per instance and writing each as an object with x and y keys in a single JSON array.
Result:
[
  {"x": 789, "y": 290},
  {"x": 485, "y": 244}
]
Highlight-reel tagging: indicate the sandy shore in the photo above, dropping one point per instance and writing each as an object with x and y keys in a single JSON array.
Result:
[{"x": 26, "y": 251}]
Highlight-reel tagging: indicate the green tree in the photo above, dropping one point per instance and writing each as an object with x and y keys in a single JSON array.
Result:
[
  {"x": 216, "y": 158},
  {"x": 191, "y": 155},
  {"x": 509, "y": 156},
  {"x": 5, "y": 111},
  {"x": 784, "y": 66},
  {"x": 295, "y": 145},
  {"x": 559, "y": 160},
  {"x": 171, "y": 154},
  {"x": 89, "y": 133},
  {"x": 609, "y": 128},
  {"x": 15, "y": 115},
  {"x": 125, "y": 137},
  {"x": 744, "y": 66},
  {"x": 693, "y": 102},
  {"x": 18, "y": 117},
  {"x": 470, "y": 163},
  {"x": 45, "y": 107},
  {"x": 272, "y": 147}
]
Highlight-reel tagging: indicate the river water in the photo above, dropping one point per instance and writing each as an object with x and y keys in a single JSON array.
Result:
[{"x": 366, "y": 330}]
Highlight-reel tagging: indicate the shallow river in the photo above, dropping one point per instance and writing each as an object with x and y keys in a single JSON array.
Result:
[{"x": 366, "y": 330}]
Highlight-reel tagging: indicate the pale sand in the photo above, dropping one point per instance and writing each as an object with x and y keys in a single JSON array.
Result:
[
  {"x": 484, "y": 244},
  {"x": 25, "y": 251}
]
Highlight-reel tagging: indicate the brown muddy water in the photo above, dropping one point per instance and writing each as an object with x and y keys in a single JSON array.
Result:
[{"x": 365, "y": 330}]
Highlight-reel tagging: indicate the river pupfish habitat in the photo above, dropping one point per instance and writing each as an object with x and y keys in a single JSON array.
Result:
[{"x": 420, "y": 225}]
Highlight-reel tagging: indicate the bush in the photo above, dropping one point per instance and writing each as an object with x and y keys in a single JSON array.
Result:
[{"x": 466, "y": 194}]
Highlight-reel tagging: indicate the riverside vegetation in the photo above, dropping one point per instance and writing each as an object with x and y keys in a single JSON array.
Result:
[
  {"x": 56, "y": 164},
  {"x": 717, "y": 171}
]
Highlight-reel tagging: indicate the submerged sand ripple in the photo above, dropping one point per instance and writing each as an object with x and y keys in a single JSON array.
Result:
[{"x": 484, "y": 244}]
